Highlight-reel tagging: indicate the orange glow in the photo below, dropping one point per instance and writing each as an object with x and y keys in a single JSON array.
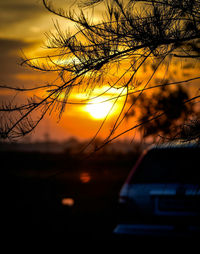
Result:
[
  {"x": 85, "y": 177},
  {"x": 99, "y": 110},
  {"x": 67, "y": 202},
  {"x": 97, "y": 106}
]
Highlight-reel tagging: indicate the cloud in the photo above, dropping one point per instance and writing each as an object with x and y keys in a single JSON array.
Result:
[
  {"x": 13, "y": 12},
  {"x": 10, "y": 59},
  {"x": 9, "y": 47},
  {"x": 18, "y": 18}
]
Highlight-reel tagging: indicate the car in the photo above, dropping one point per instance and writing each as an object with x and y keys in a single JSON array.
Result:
[{"x": 161, "y": 195}]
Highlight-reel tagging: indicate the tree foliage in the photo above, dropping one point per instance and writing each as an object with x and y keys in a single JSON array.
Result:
[
  {"x": 168, "y": 101},
  {"x": 112, "y": 52}
]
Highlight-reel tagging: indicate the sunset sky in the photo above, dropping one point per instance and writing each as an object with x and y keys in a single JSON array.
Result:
[{"x": 23, "y": 27}]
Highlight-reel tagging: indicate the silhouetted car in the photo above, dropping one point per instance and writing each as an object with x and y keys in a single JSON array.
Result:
[{"x": 161, "y": 195}]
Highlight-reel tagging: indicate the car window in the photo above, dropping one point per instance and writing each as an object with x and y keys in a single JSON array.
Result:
[{"x": 169, "y": 166}]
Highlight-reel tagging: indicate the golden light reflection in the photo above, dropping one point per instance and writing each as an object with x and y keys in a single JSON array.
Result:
[
  {"x": 67, "y": 202},
  {"x": 85, "y": 177}
]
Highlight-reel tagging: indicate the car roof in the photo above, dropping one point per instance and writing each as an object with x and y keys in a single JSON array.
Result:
[{"x": 174, "y": 145}]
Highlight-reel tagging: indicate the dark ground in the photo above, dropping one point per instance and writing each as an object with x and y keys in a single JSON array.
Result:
[{"x": 35, "y": 184}]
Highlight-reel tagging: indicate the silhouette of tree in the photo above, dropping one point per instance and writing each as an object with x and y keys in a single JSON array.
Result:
[
  {"x": 168, "y": 101},
  {"x": 132, "y": 35}
]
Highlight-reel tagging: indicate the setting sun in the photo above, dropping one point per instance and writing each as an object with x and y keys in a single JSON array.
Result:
[{"x": 99, "y": 109}]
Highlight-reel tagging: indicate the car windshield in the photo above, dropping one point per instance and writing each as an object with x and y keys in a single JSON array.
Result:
[{"x": 174, "y": 165}]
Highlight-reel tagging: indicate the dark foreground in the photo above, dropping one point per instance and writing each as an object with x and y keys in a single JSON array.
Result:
[{"x": 57, "y": 194}]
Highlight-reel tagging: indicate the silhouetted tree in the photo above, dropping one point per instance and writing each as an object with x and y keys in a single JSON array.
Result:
[
  {"x": 168, "y": 101},
  {"x": 132, "y": 34}
]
